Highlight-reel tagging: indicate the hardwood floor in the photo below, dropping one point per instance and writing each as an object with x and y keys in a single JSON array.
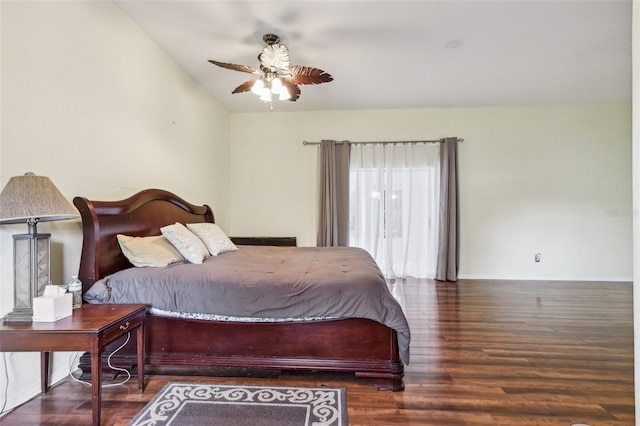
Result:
[{"x": 482, "y": 353}]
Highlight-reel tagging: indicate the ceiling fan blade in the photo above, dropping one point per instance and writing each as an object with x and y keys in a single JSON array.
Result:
[
  {"x": 275, "y": 58},
  {"x": 235, "y": 67},
  {"x": 309, "y": 75},
  {"x": 244, "y": 87},
  {"x": 293, "y": 89}
]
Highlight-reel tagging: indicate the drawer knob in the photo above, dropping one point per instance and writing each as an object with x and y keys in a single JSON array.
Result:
[{"x": 125, "y": 326}]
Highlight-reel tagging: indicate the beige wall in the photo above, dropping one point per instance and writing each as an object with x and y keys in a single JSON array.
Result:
[
  {"x": 554, "y": 180},
  {"x": 89, "y": 100}
]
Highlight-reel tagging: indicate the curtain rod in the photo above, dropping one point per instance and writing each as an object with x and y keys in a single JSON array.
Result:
[{"x": 391, "y": 142}]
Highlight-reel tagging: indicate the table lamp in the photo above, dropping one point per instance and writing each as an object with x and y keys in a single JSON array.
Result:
[{"x": 31, "y": 199}]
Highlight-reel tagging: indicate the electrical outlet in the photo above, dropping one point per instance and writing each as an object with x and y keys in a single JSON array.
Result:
[{"x": 537, "y": 257}]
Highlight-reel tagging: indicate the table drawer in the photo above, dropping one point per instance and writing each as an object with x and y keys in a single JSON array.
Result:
[{"x": 121, "y": 327}]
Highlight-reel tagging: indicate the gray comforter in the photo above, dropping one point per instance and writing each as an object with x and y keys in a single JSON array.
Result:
[{"x": 265, "y": 282}]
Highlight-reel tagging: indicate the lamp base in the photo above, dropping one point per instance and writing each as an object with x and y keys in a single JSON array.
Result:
[
  {"x": 30, "y": 273},
  {"x": 19, "y": 315}
]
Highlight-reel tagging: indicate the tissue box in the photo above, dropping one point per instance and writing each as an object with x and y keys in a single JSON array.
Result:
[{"x": 52, "y": 305}]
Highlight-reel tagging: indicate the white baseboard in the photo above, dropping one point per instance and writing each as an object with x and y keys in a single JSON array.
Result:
[{"x": 542, "y": 278}]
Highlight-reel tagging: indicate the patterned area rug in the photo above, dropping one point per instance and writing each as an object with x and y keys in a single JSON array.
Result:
[{"x": 193, "y": 404}]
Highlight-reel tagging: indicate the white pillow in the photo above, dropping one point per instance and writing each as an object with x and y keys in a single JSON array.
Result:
[
  {"x": 155, "y": 251},
  {"x": 213, "y": 237},
  {"x": 186, "y": 242}
]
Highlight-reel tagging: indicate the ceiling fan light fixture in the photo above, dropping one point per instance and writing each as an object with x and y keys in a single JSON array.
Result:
[
  {"x": 276, "y": 86},
  {"x": 284, "y": 94},
  {"x": 257, "y": 87},
  {"x": 265, "y": 96}
]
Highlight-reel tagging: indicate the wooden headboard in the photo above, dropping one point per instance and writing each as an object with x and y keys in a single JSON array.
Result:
[{"x": 142, "y": 214}]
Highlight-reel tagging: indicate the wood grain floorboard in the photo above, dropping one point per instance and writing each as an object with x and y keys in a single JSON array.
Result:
[{"x": 483, "y": 353}]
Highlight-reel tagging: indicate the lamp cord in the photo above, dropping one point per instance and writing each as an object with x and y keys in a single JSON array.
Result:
[{"x": 109, "y": 364}]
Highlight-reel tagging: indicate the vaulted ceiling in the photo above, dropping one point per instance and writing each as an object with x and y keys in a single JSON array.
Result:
[{"x": 405, "y": 54}]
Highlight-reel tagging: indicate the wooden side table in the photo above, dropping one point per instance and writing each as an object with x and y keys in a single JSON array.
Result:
[{"x": 89, "y": 329}]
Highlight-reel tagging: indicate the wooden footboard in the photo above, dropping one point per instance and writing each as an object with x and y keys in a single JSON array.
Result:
[{"x": 361, "y": 346}]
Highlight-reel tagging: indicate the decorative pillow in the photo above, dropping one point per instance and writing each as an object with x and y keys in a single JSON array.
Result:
[
  {"x": 186, "y": 242},
  {"x": 154, "y": 251},
  {"x": 213, "y": 237}
]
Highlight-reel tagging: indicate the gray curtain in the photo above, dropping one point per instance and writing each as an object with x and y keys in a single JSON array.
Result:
[
  {"x": 449, "y": 236},
  {"x": 333, "y": 218}
]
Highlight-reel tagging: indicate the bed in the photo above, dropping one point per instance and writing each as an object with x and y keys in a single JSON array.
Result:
[{"x": 373, "y": 350}]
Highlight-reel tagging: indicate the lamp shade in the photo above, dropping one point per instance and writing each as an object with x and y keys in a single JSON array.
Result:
[{"x": 31, "y": 197}]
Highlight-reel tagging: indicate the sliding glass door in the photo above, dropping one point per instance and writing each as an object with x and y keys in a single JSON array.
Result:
[{"x": 393, "y": 204}]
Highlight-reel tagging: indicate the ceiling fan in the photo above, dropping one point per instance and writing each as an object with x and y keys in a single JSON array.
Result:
[{"x": 276, "y": 76}]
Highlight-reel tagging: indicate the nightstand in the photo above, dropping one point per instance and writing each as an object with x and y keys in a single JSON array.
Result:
[{"x": 90, "y": 328}]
